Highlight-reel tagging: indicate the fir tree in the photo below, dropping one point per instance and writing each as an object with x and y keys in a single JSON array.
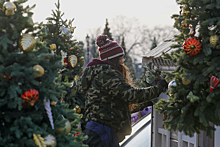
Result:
[
  {"x": 107, "y": 31},
  {"x": 149, "y": 76},
  {"x": 95, "y": 53},
  {"x": 192, "y": 106},
  {"x": 60, "y": 34},
  {"x": 154, "y": 44},
  {"x": 28, "y": 92}
]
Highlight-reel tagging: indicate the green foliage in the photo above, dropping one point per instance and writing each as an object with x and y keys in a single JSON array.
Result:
[
  {"x": 58, "y": 31},
  {"x": 192, "y": 108},
  {"x": 149, "y": 76},
  {"x": 19, "y": 120}
]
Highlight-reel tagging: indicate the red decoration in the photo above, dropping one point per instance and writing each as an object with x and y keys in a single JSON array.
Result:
[
  {"x": 213, "y": 83},
  {"x": 192, "y": 46},
  {"x": 31, "y": 96},
  {"x": 77, "y": 133},
  {"x": 65, "y": 61}
]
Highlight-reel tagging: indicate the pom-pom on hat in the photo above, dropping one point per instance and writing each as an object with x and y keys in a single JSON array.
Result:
[{"x": 108, "y": 49}]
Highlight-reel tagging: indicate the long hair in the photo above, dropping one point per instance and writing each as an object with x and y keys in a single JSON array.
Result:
[
  {"x": 125, "y": 73},
  {"x": 122, "y": 68}
]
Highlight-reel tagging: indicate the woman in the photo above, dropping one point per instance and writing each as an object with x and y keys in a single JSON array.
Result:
[{"x": 109, "y": 95}]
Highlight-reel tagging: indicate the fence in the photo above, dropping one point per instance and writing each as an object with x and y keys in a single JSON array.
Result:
[{"x": 164, "y": 138}]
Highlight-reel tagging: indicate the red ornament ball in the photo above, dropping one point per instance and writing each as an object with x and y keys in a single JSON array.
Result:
[
  {"x": 31, "y": 96},
  {"x": 192, "y": 46}
]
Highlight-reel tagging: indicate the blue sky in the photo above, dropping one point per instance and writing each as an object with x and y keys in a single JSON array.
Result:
[{"x": 93, "y": 13}]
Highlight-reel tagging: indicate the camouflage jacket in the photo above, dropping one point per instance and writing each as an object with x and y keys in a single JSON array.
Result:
[{"x": 108, "y": 96}]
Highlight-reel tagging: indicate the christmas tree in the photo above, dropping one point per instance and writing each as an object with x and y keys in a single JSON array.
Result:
[
  {"x": 94, "y": 48},
  {"x": 194, "y": 102},
  {"x": 149, "y": 76},
  {"x": 59, "y": 36},
  {"x": 31, "y": 114},
  {"x": 107, "y": 30}
]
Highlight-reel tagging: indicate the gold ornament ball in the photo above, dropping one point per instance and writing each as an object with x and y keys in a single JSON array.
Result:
[
  {"x": 53, "y": 103},
  {"x": 53, "y": 46},
  {"x": 27, "y": 42},
  {"x": 50, "y": 141},
  {"x": 214, "y": 40},
  {"x": 66, "y": 128},
  {"x": 184, "y": 25},
  {"x": 73, "y": 60},
  {"x": 39, "y": 69},
  {"x": 82, "y": 61},
  {"x": 9, "y": 8},
  {"x": 77, "y": 109},
  {"x": 76, "y": 78},
  {"x": 186, "y": 81},
  {"x": 29, "y": 22}
]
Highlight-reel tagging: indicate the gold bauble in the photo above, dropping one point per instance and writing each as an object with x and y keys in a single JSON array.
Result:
[
  {"x": 39, "y": 69},
  {"x": 53, "y": 46},
  {"x": 76, "y": 78},
  {"x": 27, "y": 42},
  {"x": 73, "y": 60},
  {"x": 82, "y": 59},
  {"x": 186, "y": 81},
  {"x": 214, "y": 40},
  {"x": 77, "y": 109},
  {"x": 184, "y": 25},
  {"x": 53, "y": 103},
  {"x": 66, "y": 128},
  {"x": 9, "y": 8},
  {"x": 50, "y": 140},
  {"x": 29, "y": 22}
]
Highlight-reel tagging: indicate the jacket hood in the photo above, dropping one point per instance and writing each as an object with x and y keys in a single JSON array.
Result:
[{"x": 94, "y": 68}]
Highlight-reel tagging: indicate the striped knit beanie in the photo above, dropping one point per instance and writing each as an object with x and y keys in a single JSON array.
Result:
[{"x": 108, "y": 49}]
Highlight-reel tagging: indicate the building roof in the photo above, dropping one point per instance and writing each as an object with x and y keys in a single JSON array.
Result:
[{"x": 163, "y": 47}]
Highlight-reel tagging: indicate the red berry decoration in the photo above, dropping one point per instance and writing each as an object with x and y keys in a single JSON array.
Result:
[
  {"x": 65, "y": 61},
  {"x": 31, "y": 96},
  {"x": 191, "y": 46},
  {"x": 77, "y": 133}
]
